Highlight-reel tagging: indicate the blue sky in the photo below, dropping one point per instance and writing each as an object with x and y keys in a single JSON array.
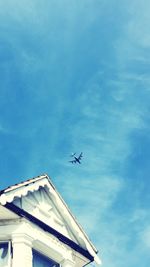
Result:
[{"x": 74, "y": 76}]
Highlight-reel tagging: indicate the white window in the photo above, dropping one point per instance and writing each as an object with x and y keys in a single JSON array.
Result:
[
  {"x": 5, "y": 253},
  {"x": 40, "y": 260}
]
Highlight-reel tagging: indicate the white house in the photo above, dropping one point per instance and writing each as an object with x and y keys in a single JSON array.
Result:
[{"x": 38, "y": 230}]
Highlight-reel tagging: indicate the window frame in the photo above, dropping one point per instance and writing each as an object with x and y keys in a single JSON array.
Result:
[
  {"x": 9, "y": 251},
  {"x": 39, "y": 253}
]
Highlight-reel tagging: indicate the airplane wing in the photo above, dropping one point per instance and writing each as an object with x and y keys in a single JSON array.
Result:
[
  {"x": 72, "y": 161},
  {"x": 80, "y": 156}
]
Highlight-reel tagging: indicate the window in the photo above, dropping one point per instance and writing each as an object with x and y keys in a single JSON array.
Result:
[
  {"x": 5, "y": 254},
  {"x": 40, "y": 260}
]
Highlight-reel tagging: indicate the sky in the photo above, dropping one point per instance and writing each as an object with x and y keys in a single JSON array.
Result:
[{"x": 74, "y": 76}]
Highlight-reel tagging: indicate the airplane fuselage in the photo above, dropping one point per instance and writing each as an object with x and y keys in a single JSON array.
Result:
[{"x": 77, "y": 160}]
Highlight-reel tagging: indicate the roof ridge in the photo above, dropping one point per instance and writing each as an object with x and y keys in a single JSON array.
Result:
[{"x": 23, "y": 183}]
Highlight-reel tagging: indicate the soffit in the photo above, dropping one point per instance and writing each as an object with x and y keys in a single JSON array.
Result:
[{"x": 6, "y": 214}]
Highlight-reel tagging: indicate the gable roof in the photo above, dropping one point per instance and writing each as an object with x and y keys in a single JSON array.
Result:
[{"x": 82, "y": 244}]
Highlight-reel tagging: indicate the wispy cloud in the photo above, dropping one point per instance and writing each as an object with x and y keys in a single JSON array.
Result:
[
  {"x": 110, "y": 112},
  {"x": 76, "y": 78}
]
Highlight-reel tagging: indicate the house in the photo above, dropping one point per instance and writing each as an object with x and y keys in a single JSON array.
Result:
[{"x": 37, "y": 228}]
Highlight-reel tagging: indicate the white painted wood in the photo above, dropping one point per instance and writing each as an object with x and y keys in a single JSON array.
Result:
[
  {"x": 67, "y": 263},
  {"x": 6, "y": 214},
  {"x": 22, "y": 250},
  {"x": 41, "y": 205},
  {"x": 40, "y": 198}
]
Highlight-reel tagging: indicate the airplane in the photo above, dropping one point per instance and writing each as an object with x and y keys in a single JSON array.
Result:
[{"x": 76, "y": 159}]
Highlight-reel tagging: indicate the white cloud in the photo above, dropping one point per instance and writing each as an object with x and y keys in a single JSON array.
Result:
[
  {"x": 90, "y": 197},
  {"x": 110, "y": 113},
  {"x": 106, "y": 111}
]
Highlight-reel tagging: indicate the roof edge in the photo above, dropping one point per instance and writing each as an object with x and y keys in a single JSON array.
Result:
[{"x": 23, "y": 183}]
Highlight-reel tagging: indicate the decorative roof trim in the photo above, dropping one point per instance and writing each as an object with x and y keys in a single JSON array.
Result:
[
  {"x": 23, "y": 183},
  {"x": 7, "y": 196},
  {"x": 50, "y": 230},
  {"x": 22, "y": 189}
]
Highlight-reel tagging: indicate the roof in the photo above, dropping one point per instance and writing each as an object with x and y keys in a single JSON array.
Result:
[
  {"x": 8, "y": 195},
  {"x": 23, "y": 183},
  {"x": 45, "y": 227}
]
